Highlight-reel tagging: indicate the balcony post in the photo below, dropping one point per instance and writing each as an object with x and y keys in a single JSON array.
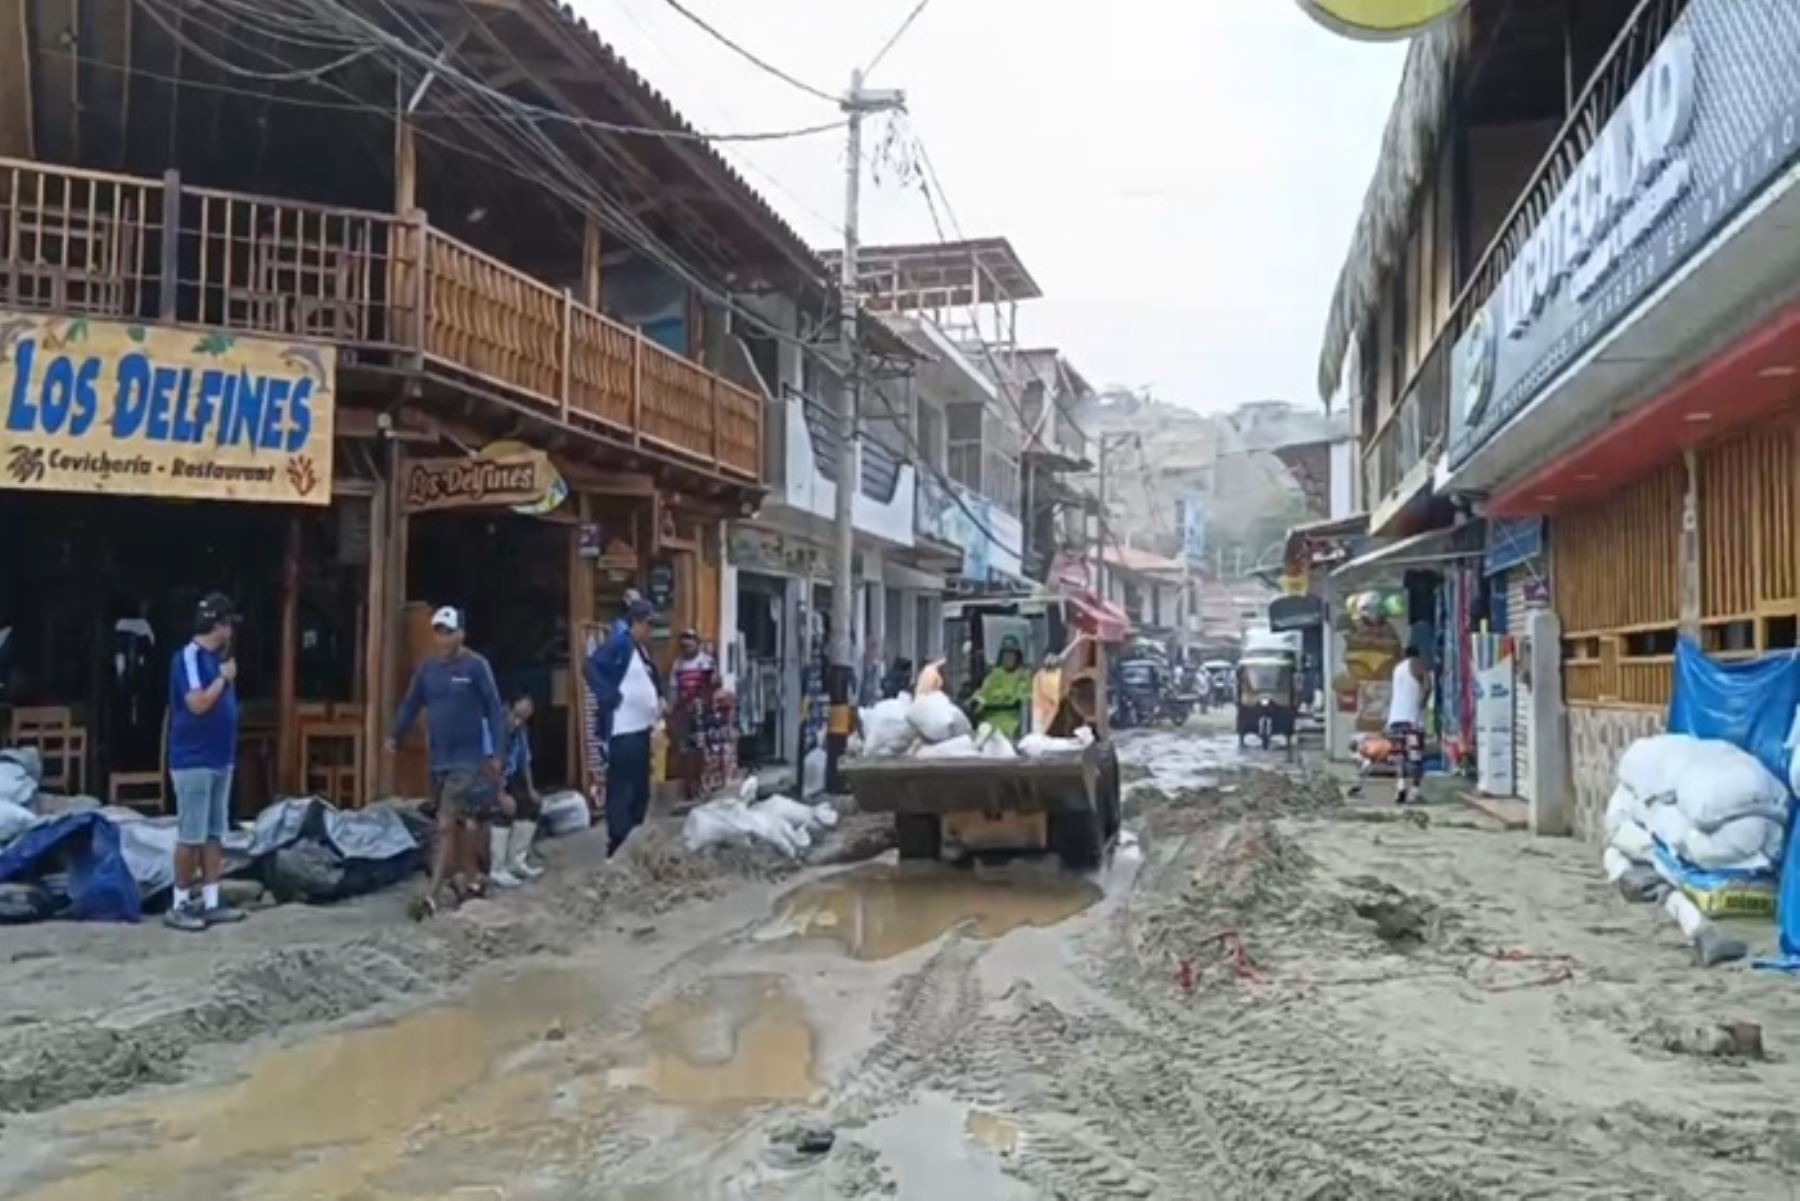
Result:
[
  {"x": 712, "y": 388},
  {"x": 169, "y": 267},
  {"x": 421, "y": 240},
  {"x": 637, "y": 387},
  {"x": 568, "y": 336}
]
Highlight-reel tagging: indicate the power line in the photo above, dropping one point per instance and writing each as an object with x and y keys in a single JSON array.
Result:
[
  {"x": 894, "y": 37},
  {"x": 749, "y": 56}
]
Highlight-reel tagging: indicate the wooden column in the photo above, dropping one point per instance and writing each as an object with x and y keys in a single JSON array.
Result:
[
  {"x": 581, "y": 610},
  {"x": 406, "y": 168},
  {"x": 1690, "y": 547},
  {"x": 289, "y": 773},
  {"x": 377, "y": 778},
  {"x": 591, "y": 247}
]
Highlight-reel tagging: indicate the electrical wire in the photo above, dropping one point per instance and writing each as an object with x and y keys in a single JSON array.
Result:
[
  {"x": 893, "y": 38},
  {"x": 750, "y": 57}
]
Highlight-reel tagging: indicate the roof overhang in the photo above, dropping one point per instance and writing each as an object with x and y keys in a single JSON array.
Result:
[{"x": 1433, "y": 548}]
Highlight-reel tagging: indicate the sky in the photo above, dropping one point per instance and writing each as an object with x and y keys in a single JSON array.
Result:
[{"x": 1180, "y": 176}]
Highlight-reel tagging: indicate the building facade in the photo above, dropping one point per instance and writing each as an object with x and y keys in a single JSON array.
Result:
[{"x": 1570, "y": 314}]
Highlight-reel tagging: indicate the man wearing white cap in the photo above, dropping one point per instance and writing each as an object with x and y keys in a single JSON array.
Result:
[{"x": 462, "y": 704}]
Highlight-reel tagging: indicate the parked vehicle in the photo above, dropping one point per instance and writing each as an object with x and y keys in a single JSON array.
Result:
[{"x": 1266, "y": 698}]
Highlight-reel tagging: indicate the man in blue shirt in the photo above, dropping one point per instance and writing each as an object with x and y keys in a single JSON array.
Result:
[
  {"x": 202, "y": 751},
  {"x": 455, "y": 686}
]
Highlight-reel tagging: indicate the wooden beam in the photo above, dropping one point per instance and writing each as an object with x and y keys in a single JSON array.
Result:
[
  {"x": 17, "y": 137},
  {"x": 592, "y": 249},
  {"x": 406, "y": 167},
  {"x": 289, "y": 772}
]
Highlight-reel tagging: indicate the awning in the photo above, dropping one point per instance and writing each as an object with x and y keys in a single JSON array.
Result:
[
  {"x": 1109, "y": 622},
  {"x": 1433, "y": 548}
]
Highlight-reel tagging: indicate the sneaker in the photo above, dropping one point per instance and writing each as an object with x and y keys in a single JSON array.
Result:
[
  {"x": 184, "y": 917},
  {"x": 222, "y": 915}
]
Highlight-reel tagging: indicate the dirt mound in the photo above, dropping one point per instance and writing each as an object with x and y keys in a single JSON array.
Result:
[{"x": 1251, "y": 792}]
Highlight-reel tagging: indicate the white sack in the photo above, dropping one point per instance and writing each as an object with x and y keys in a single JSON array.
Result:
[
  {"x": 993, "y": 744},
  {"x": 936, "y": 718},
  {"x": 1651, "y": 766},
  {"x": 886, "y": 730},
  {"x": 1615, "y": 863},
  {"x": 1624, "y": 806},
  {"x": 1042, "y": 746},
  {"x": 960, "y": 747},
  {"x": 1687, "y": 915},
  {"x": 1633, "y": 841},
  {"x": 564, "y": 813},
  {"x": 1747, "y": 844},
  {"x": 812, "y": 772},
  {"x": 1720, "y": 782},
  {"x": 728, "y": 822},
  {"x": 14, "y": 818},
  {"x": 798, "y": 813}
]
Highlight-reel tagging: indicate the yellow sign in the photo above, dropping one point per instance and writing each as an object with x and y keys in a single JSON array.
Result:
[
  {"x": 484, "y": 480},
  {"x": 144, "y": 410},
  {"x": 1380, "y": 20}
]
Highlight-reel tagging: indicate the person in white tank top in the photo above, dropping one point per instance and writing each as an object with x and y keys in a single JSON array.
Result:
[{"x": 1406, "y": 718}]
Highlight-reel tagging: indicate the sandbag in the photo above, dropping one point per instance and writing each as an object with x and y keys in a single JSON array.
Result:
[
  {"x": 886, "y": 730},
  {"x": 992, "y": 744},
  {"x": 1719, "y": 783},
  {"x": 15, "y": 819},
  {"x": 1042, "y": 746},
  {"x": 935, "y": 717},
  {"x": 812, "y": 772},
  {"x": 1749, "y": 843},
  {"x": 798, "y": 813},
  {"x": 1718, "y": 892},
  {"x": 961, "y": 747},
  {"x": 1623, "y": 806},
  {"x": 1651, "y": 766},
  {"x": 564, "y": 813},
  {"x": 1632, "y": 841},
  {"x": 19, "y": 776}
]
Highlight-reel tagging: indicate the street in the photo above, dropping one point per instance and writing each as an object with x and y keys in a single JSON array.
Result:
[{"x": 1268, "y": 992}]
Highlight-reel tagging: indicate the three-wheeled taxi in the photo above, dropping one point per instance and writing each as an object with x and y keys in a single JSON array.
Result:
[{"x": 1265, "y": 697}]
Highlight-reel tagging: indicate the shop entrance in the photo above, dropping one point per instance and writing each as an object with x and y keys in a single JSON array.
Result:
[
  {"x": 98, "y": 592},
  {"x": 509, "y": 574}
]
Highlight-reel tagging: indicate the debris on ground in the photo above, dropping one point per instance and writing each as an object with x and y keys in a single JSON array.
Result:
[{"x": 1708, "y": 1040}]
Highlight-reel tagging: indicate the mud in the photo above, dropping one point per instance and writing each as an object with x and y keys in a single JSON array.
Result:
[{"x": 1273, "y": 993}]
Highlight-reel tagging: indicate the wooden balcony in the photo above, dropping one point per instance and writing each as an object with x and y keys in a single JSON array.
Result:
[{"x": 380, "y": 284}]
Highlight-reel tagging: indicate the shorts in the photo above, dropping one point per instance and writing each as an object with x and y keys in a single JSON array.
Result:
[
  {"x": 202, "y": 804},
  {"x": 466, "y": 793}
]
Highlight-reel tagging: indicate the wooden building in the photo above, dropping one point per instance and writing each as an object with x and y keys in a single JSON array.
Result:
[{"x": 498, "y": 269}]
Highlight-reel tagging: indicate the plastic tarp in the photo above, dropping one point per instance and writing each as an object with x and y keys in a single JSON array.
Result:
[
  {"x": 99, "y": 886},
  {"x": 1749, "y": 704},
  {"x": 149, "y": 847}
]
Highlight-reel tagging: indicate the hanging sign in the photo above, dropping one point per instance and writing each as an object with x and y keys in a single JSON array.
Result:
[
  {"x": 479, "y": 481},
  {"x": 556, "y": 489},
  {"x": 1379, "y": 20},
  {"x": 143, "y": 410}
]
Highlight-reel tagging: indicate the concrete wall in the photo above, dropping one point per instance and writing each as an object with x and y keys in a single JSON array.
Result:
[{"x": 1597, "y": 737}]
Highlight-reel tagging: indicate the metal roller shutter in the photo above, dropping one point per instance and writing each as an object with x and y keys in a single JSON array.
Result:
[{"x": 1516, "y": 616}]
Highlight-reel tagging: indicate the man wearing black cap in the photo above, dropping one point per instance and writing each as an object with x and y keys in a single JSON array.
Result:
[
  {"x": 628, "y": 694},
  {"x": 202, "y": 752}
]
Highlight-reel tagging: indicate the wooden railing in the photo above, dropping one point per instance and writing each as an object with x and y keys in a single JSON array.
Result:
[
  {"x": 117, "y": 246},
  {"x": 1414, "y": 430}
]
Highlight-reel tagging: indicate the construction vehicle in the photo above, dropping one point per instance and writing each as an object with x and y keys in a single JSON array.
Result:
[{"x": 1067, "y": 802}]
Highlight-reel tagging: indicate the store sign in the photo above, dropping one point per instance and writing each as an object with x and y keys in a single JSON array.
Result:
[
  {"x": 1190, "y": 512},
  {"x": 143, "y": 410},
  {"x": 481, "y": 481},
  {"x": 555, "y": 488},
  {"x": 1380, "y": 20},
  {"x": 1714, "y": 116}
]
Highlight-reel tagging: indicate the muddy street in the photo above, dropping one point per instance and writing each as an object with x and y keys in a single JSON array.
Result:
[{"x": 1269, "y": 991}]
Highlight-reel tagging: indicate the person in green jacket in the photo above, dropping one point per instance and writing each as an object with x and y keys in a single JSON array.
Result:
[{"x": 1003, "y": 695}]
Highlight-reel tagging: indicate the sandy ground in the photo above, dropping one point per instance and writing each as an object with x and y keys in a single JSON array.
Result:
[{"x": 1267, "y": 993}]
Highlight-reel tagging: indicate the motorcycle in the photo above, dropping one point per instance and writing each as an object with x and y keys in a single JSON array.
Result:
[{"x": 1143, "y": 694}]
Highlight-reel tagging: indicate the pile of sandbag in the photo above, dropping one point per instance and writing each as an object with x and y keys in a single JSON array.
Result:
[
  {"x": 1703, "y": 817},
  {"x": 780, "y": 822},
  {"x": 929, "y": 725}
]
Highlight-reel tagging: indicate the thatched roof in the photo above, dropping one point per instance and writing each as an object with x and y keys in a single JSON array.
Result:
[{"x": 1409, "y": 147}]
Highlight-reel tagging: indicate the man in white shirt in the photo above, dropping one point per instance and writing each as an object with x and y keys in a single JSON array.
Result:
[
  {"x": 1406, "y": 720},
  {"x": 628, "y": 693}
]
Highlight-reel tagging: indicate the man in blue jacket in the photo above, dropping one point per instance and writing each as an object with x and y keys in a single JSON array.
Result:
[
  {"x": 628, "y": 695},
  {"x": 462, "y": 704}
]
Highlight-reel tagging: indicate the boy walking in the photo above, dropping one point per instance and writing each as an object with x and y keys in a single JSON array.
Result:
[{"x": 203, "y": 720}]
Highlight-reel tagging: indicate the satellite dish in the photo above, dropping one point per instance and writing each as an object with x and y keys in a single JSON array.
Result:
[{"x": 1380, "y": 20}]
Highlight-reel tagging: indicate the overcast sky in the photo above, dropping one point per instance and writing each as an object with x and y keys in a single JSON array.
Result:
[{"x": 1180, "y": 176}]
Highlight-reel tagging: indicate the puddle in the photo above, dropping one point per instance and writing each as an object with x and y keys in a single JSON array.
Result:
[
  {"x": 882, "y": 910},
  {"x": 737, "y": 1041},
  {"x": 359, "y": 1094},
  {"x": 999, "y": 1135}
]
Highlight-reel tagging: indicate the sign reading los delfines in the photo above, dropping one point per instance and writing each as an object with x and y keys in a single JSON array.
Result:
[{"x": 105, "y": 406}]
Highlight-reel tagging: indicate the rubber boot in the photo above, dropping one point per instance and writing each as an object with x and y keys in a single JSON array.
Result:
[
  {"x": 499, "y": 864},
  {"x": 524, "y": 834}
]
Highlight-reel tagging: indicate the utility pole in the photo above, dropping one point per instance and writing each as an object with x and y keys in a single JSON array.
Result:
[{"x": 840, "y": 680}]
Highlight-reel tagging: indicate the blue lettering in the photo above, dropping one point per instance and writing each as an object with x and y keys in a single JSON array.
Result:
[
  {"x": 131, "y": 399},
  {"x": 156, "y": 427},
  {"x": 270, "y": 439},
  {"x": 205, "y": 403},
  {"x": 182, "y": 427},
  {"x": 248, "y": 419},
  {"x": 57, "y": 393},
  {"x": 87, "y": 397},
  {"x": 300, "y": 414},
  {"x": 227, "y": 409},
  {"x": 19, "y": 413}
]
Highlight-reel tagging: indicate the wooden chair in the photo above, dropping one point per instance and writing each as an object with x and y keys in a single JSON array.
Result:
[
  {"x": 146, "y": 791},
  {"x": 59, "y": 741},
  {"x": 331, "y": 754}
]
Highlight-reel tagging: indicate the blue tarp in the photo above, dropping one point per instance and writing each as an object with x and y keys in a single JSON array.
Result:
[
  {"x": 86, "y": 845},
  {"x": 1748, "y": 704}
]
